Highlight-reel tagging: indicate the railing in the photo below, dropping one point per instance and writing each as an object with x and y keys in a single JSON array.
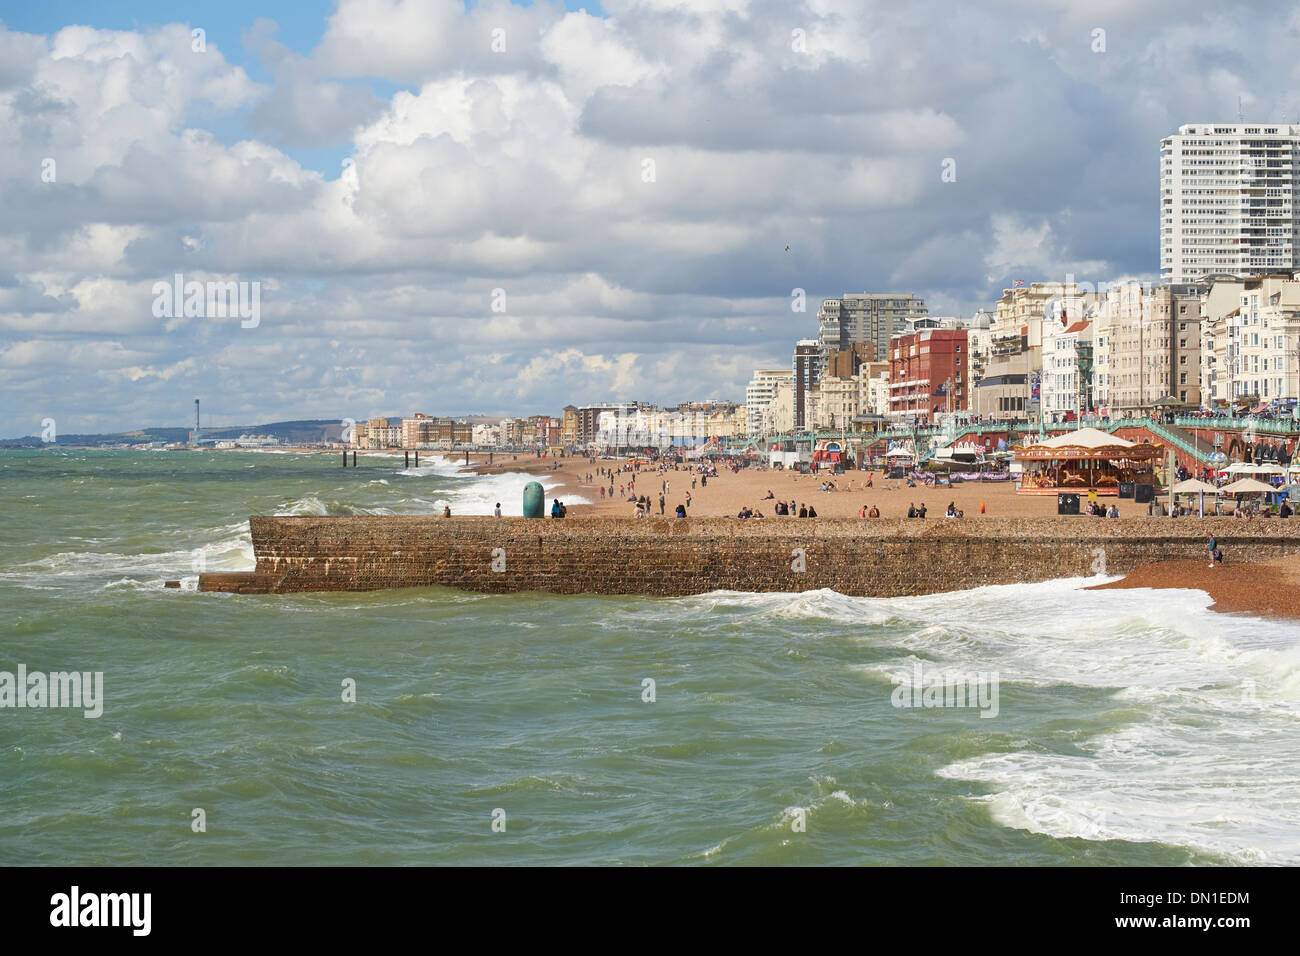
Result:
[
  {"x": 1271, "y": 425},
  {"x": 1164, "y": 432}
]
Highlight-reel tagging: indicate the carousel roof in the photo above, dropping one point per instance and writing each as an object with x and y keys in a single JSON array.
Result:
[
  {"x": 1086, "y": 438},
  {"x": 1089, "y": 443}
]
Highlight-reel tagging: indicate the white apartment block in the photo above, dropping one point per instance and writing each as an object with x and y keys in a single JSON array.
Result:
[
  {"x": 873, "y": 388},
  {"x": 694, "y": 423},
  {"x": 1065, "y": 384},
  {"x": 382, "y": 433},
  {"x": 759, "y": 394},
  {"x": 979, "y": 344},
  {"x": 835, "y": 403},
  {"x": 777, "y": 415},
  {"x": 1147, "y": 347},
  {"x": 1226, "y": 200},
  {"x": 486, "y": 434},
  {"x": 1250, "y": 350}
]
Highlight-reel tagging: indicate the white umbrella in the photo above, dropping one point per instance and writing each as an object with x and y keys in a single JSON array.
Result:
[
  {"x": 1243, "y": 468},
  {"x": 1247, "y": 486},
  {"x": 1194, "y": 486}
]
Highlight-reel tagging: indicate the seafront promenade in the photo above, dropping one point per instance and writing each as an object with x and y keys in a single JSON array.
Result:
[{"x": 670, "y": 557}]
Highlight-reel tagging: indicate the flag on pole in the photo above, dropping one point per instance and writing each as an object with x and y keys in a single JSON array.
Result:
[{"x": 1019, "y": 282}]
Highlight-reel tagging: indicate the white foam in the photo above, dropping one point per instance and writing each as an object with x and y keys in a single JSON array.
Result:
[{"x": 1209, "y": 758}]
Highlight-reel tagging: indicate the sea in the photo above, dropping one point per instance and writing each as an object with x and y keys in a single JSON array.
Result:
[{"x": 429, "y": 726}]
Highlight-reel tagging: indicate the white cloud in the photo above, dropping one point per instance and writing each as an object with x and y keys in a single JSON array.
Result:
[{"x": 525, "y": 170}]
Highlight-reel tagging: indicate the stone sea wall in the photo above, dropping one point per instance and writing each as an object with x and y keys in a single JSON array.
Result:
[{"x": 880, "y": 558}]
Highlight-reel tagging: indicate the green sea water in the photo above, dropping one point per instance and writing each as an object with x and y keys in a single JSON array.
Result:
[{"x": 1132, "y": 727}]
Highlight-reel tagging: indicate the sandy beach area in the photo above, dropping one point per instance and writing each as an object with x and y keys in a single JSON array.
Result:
[
  {"x": 1268, "y": 588},
  {"x": 728, "y": 492}
]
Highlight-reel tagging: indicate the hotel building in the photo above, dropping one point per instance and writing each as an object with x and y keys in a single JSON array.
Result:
[{"x": 1226, "y": 200}]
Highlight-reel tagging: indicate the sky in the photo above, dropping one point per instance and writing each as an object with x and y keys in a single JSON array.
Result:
[{"x": 498, "y": 208}]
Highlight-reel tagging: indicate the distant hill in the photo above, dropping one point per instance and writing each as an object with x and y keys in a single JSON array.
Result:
[{"x": 303, "y": 431}]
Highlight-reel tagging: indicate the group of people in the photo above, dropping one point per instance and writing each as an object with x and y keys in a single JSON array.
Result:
[
  {"x": 793, "y": 510},
  {"x": 1097, "y": 510},
  {"x": 643, "y": 505},
  {"x": 1242, "y": 508}
]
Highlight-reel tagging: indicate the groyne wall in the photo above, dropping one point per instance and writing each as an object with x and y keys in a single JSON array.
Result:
[{"x": 656, "y": 556}]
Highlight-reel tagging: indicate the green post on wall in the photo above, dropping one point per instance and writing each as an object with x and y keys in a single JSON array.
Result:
[{"x": 534, "y": 500}]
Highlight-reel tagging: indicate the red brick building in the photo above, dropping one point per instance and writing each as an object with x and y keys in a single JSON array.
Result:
[{"x": 929, "y": 372}]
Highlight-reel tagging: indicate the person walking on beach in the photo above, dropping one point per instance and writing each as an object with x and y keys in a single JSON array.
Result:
[
  {"x": 661, "y": 503},
  {"x": 688, "y": 499},
  {"x": 1212, "y": 547},
  {"x": 496, "y": 512},
  {"x": 446, "y": 511}
]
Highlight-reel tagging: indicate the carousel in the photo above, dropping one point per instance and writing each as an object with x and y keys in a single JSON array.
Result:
[{"x": 1086, "y": 460}]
